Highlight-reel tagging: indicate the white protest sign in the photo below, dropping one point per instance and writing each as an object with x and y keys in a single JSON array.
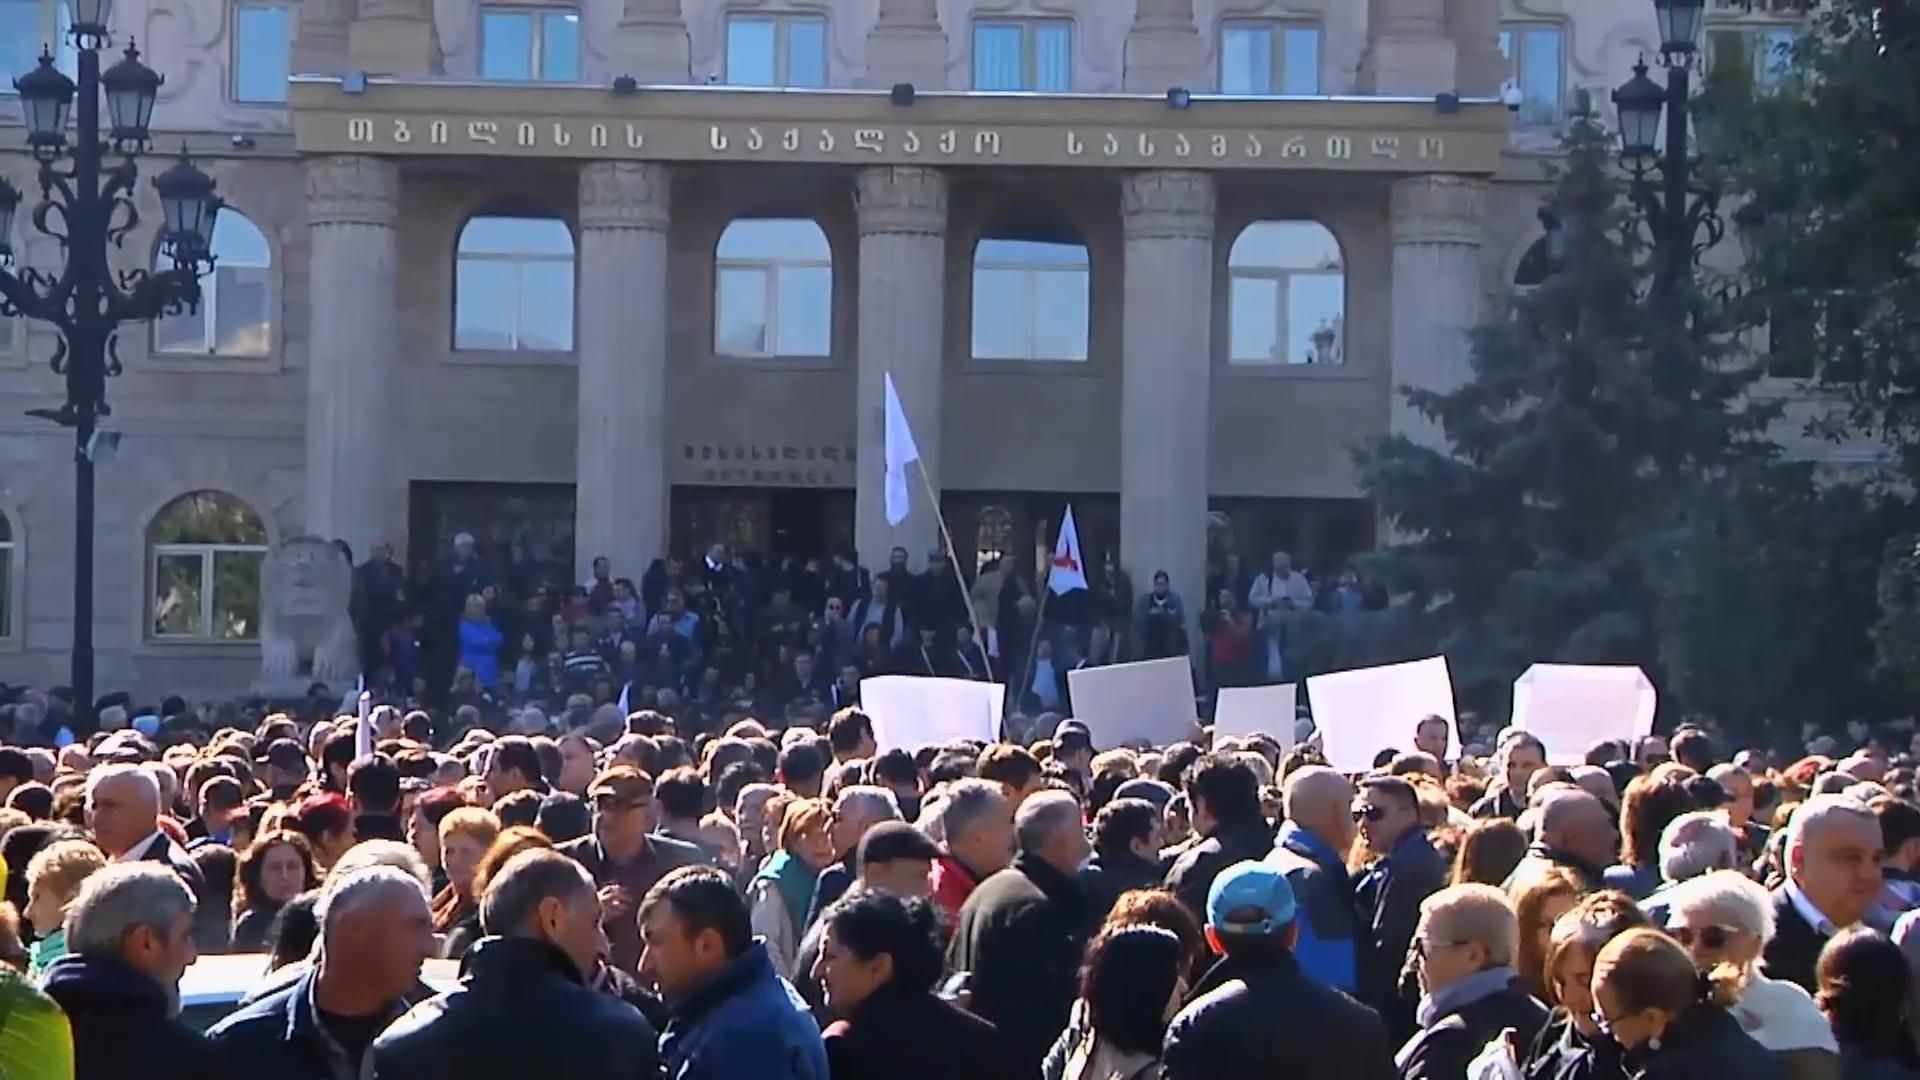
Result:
[
  {"x": 1256, "y": 710},
  {"x": 1150, "y": 700},
  {"x": 1362, "y": 712},
  {"x": 910, "y": 712},
  {"x": 1569, "y": 707}
]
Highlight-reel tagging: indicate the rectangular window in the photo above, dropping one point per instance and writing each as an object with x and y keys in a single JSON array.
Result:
[
  {"x": 1023, "y": 55},
  {"x": 1536, "y": 62},
  {"x": 1761, "y": 55},
  {"x": 20, "y": 38},
  {"x": 179, "y": 593},
  {"x": 1260, "y": 59},
  {"x": 776, "y": 50},
  {"x": 262, "y": 33},
  {"x": 524, "y": 44}
]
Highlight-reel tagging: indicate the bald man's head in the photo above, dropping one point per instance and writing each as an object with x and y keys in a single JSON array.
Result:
[
  {"x": 123, "y": 807},
  {"x": 1573, "y": 821},
  {"x": 1320, "y": 800}
]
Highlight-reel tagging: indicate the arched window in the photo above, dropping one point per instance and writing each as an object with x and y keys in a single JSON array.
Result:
[
  {"x": 1535, "y": 265},
  {"x": 773, "y": 289},
  {"x": 1030, "y": 295},
  {"x": 7, "y": 571},
  {"x": 993, "y": 536},
  {"x": 236, "y": 300},
  {"x": 205, "y": 551},
  {"x": 513, "y": 285},
  {"x": 1287, "y": 295}
]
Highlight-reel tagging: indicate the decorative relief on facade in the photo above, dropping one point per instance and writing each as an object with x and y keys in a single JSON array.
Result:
[
  {"x": 352, "y": 189},
  {"x": 624, "y": 194},
  {"x": 1171, "y": 203},
  {"x": 901, "y": 199},
  {"x": 1439, "y": 210},
  {"x": 909, "y": 14}
]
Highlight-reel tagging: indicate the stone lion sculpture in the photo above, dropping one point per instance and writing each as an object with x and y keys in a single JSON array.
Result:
[{"x": 306, "y": 633}]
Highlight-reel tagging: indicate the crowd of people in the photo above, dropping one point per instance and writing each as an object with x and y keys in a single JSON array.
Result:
[
  {"x": 626, "y": 899},
  {"x": 792, "y": 638}
]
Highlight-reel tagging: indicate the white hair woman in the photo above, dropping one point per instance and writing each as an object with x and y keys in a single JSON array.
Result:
[
  {"x": 1696, "y": 843},
  {"x": 1723, "y": 918}
]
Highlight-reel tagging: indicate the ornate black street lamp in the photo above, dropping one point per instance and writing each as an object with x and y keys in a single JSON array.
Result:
[
  {"x": 86, "y": 205},
  {"x": 1663, "y": 184}
]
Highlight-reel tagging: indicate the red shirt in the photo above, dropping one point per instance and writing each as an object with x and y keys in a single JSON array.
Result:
[{"x": 952, "y": 883}]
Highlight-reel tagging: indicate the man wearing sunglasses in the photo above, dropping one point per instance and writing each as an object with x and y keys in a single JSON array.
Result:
[
  {"x": 1404, "y": 871},
  {"x": 623, "y": 857}
]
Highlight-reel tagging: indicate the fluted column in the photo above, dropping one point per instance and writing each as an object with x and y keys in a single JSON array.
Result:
[
  {"x": 1164, "y": 48},
  {"x": 903, "y": 238},
  {"x": 1437, "y": 226},
  {"x": 351, "y": 492},
  {"x": 650, "y": 42},
  {"x": 906, "y": 45},
  {"x": 1409, "y": 51},
  {"x": 1166, "y": 369},
  {"x": 620, "y": 498},
  {"x": 395, "y": 37}
]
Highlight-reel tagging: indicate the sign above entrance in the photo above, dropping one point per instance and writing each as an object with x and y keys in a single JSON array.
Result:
[
  {"x": 701, "y": 124},
  {"x": 772, "y": 465}
]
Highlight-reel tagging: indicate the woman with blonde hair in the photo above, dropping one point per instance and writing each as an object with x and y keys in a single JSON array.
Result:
[
  {"x": 781, "y": 892},
  {"x": 1538, "y": 905},
  {"x": 1724, "y": 920},
  {"x": 1570, "y": 1046},
  {"x": 465, "y": 836},
  {"x": 54, "y": 876},
  {"x": 1670, "y": 1021}
]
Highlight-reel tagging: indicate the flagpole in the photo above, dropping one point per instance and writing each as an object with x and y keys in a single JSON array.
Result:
[{"x": 959, "y": 579}]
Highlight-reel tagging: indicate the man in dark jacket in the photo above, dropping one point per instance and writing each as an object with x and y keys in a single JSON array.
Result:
[
  {"x": 1318, "y": 829},
  {"x": 129, "y": 939},
  {"x": 1577, "y": 834},
  {"x": 373, "y": 787},
  {"x": 1466, "y": 946},
  {"x": 376, "y": 931},
  {"x": 622, "y": 856},
  {"x": 1020, "y": 933},
  {"x": 1126, "y": 848},
  {"x": 1256, "y": 1014},
  {"x": 523, "y": 1007},
  {"x": 123, "y": 812},
  {"x": 1834, "y": 848},
  {"x": 1405, "y": 871},
  {"x": 1224, "y": 797}
]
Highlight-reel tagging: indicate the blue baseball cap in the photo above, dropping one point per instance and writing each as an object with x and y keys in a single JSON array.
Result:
[{"x": 1250, "y": 886}]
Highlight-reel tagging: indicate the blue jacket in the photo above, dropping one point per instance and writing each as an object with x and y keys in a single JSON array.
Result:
[
  {"x": 480, "y": 650},
  {"x": 280, "y": 1036},
  {"x": 1324, "y": 895},
  {"x": 747, "y": 1024}
]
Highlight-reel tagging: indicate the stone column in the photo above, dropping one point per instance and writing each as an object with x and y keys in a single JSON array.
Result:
[
  {"x": 1166, "y": 369},
  {"x": 1475, "y": 27},
  {"x": 1164, "y": 48},
  {"x": 320, "y": 40},
  {"x": 352, "y": 490},
  {"x": 395, "y": 37},
  {"x": 1409, "y": 52},
  {"x": 906, "y": 45},
  {"x": 903, "y": 240},
  {"x": 650, "y": 43},
  {"x": 1437, "y": 226},
  {"x": 620, "y": 497}
]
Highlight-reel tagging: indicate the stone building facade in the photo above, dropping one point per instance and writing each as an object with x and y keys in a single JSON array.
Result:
[{"x": 556, "y": 274}]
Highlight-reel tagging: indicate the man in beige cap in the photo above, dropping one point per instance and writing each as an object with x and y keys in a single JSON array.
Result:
[{"x": 624, "y": 856}]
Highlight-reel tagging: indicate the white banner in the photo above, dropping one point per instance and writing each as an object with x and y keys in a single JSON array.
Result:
[
  {"x": 910, "y": 712},
  {"x": 1256, "y": 710},
  {"x": 1362, "y": 712},
  {"x": 1569, "y": 707},
  {"x": 1149, "y": 700}
]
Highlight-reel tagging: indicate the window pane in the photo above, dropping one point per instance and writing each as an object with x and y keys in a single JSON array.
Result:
[
  {"x": 803, "y": 321},
  {"x": 238, "y": 240},
  {"x": 241, "y": 326},
  {"x": 261, "y": 38},
  {"x": 236, "y": 595},
  {"x": 787, "y": 239},
  {"x": 1246, "y": 60},
  {"x": 177, "y": 590},
  {"x": 183, "y": 333},
  {"x": 206, "y": 517},
  {"x": 1000, "y": 307},
  {"x": 560, "y": 46},
  {"x": 806, "y": 52},
  {"x": 1285, "y": 245},
  {"x": 750, "y": 51},
  {"x": 20, "y": 39},
  {"x": 996, "y": 57},
  {"x": 484, "y": 304},
  {"x": 1314, "y": 320},
  {"x": 1300, "y": 67},
  {"x": 1053, "y": 57},
  {"x": 1060, "y": 315},
  {"x": 506, "y": 45},
  {"x": 66, "y": 55},
  {"x": 516, "y": 236},
  {"x": 1540, "y": 75},
  {"x": 740, "y": 313},
  {"x": 1776, "y": 56},
  {"x": 1254, "y": 312},
  {"x": 546, "y": 306}
]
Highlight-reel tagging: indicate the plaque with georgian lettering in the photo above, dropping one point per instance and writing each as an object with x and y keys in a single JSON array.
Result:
[{"x": 702, "y": 124}]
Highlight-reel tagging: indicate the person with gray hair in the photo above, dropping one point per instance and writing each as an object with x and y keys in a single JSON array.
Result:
[
  {"x": 542, "y": 913},
  {"x": 376, "y": 931},
  {"x": 1696, "y": 843},
  {"x": 1019, "y": 935},
  {"x": 1464, "y": 953},
  {"x": 1833, "y": 858},
  {"x": 856, "y": 809},
  {"x": 1311, "y": 851},
  {"x": 123, "y": 813},
  {"x": 976, "y": 827},
  {"x": 129, "y": 939}
]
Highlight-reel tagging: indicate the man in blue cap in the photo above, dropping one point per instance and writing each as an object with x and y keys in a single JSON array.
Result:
[{"x": 1256, "y": 1013}]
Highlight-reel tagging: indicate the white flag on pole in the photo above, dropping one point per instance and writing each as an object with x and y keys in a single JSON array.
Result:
[
  {"x": 625, "y": 689},
  {"x": 363, "y": 735},
  {"x": 1068, "y": 572},
  {"x": 901, "y": 452}
]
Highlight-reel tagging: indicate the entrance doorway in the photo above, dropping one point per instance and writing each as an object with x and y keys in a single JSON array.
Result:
[{"x": 802, "y": 522}]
